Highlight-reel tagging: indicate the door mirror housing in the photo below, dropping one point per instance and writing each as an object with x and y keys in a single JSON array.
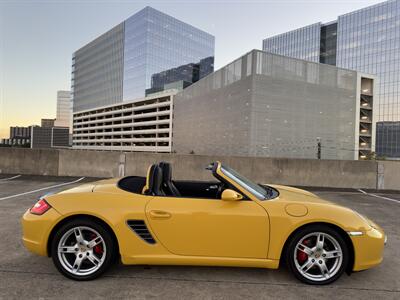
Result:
[{"x": 231, "y": 195}]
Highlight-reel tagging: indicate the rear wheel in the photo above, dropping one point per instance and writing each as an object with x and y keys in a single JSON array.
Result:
[
  {"x": 82, "y": 249},
  {"x": 317, "y": 255}
]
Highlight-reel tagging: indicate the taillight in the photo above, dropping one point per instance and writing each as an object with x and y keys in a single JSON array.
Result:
[{"x": 40, "y": 207}]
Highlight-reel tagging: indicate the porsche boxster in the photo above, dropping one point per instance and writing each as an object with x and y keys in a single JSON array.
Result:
[{"x": 230, "y": 221}]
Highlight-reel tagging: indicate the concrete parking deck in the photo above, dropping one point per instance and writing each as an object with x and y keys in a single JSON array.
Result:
[{"x": 24, "y": 275}]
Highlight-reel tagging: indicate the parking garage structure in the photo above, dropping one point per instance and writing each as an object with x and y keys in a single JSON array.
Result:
[
  {"x": 268, "y": 105},
  {"x": 141, "y": 125}
]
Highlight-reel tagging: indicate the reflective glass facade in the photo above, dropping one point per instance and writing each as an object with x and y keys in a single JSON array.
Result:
[
  {"x": 156, "y": 42},
  {"x": 388, "y": 139},
  {"x": 97, "y": 71},
  {"x": 368, "y": 40},
  {"x": 328, "y": 46},
  {"x": 303, "y": 43},
  {"x": 63, "y": 109},
  {"x": 120, "y": 65}
]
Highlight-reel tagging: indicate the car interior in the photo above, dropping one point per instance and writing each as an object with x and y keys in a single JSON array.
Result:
[{"x": 160, "y": 183}]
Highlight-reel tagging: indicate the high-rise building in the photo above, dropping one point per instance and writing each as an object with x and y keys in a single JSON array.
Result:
[
  {"x": 63, "y": 109},
  {"x": 47, "y": 123},
  {"x": 49, "y": 137},
  {"x": 119, "y": 65},
  {"x": 270, "y": 105},
  {"x": 366, "y": 40},
  {"x": 17, "y": 132},
  {"x": 19, "y": 136},
  {"x": 391, "y": 132}
]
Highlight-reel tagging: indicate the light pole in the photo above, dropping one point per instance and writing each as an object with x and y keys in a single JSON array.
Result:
[{"x": 318, "y": 148}]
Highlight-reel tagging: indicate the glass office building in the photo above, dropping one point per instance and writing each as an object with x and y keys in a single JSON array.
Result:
[
  {"x": 366, "y": 40},
  {"x": 302, "y": 43},
  {"x": 391, "y": 132},
  {"x": 121, "y": 64}
]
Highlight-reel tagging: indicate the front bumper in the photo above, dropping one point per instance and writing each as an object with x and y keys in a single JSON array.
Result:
[
  {"x": 368, "y": 248},
  {"x": 36, "y": 230}
]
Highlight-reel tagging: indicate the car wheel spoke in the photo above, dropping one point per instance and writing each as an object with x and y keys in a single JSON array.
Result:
[
  {"x": 332, "y": 254},
  {"x": 77, "y": 265},
  {"x": 324, "y": 269},
  {"x": 94, "y": 260},
  {"x": 78, "y": 235},
  {"x": 320, "y": 241},
  {"x": 94, "y": 242},
  {"x": 68, "y": 249},
  {"x": 307, "y": 266},
  {"x": 304, "y": 249}
]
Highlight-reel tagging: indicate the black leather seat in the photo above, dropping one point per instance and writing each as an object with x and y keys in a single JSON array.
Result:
[
  {"x": 154, "y": 181},
  {"x": 167, "y": 185}
]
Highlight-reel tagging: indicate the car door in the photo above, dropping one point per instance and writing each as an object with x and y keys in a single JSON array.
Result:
[{"x": 210, "y": 227}]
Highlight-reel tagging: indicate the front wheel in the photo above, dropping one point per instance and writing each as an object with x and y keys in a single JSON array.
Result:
[
  {"x": 82, "y": 249},
  {"x": 317, "y": 255}
]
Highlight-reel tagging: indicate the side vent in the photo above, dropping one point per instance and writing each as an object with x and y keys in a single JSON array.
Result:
[{"x": 140, "y": 228}]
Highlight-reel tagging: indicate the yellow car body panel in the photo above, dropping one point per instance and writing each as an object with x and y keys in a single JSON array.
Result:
[
  {"x": 188, "y": 231},
  {"x": 36, "y": 230},
  {"x": 201, "y": 227}
]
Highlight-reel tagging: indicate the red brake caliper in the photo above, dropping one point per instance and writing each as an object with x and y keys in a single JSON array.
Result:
[
  {"x": 98, "y": 249},
  {"x": 302, "y": 256}
]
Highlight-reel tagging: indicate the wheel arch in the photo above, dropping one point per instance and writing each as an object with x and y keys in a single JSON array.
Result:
[
  {"x": 340, "y": 230},
  {"x": 80, "y": 216}
]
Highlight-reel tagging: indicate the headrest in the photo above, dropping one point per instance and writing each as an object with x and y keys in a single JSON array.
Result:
[
  {"x": 166, "y": 170},
  {"x": 156, "y": 181},
  {"x": 153, "y": 172}
]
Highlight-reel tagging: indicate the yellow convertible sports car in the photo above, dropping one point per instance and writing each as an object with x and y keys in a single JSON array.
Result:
[{"x": 229, "y": 222}]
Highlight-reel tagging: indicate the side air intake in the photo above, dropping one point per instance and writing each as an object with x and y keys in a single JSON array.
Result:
[{"x": 140, "y": 228}]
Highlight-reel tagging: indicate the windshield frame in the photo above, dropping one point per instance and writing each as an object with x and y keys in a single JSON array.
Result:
[{"x": 255, "y": 189}]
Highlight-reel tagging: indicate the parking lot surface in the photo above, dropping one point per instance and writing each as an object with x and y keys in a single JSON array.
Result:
[{"x": 25, "y": 275}]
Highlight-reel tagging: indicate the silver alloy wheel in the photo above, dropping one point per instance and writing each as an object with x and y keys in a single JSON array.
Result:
[
  {"x": 81, "y": 251},
  {"x": 323, "y": 253}
]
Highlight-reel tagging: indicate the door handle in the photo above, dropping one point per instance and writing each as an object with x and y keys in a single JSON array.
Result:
[{"x": 159, "y": 214}]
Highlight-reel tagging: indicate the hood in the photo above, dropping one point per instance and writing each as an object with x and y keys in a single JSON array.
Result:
[{"x": 288, "y": 193}]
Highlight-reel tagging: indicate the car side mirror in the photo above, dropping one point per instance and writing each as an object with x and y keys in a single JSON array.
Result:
[{"x": 231, "y": 195}]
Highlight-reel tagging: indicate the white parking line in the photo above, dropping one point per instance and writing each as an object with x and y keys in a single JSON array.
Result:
[
  {"x": 41, "y": 189},
  {"x": 10, "y": 178},
  {"x": 381, "y": 197}
]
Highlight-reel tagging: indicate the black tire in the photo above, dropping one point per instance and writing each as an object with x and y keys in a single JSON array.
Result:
[
  {"x": 107, "y": 260},
  {"x": 291, "y": 257}
]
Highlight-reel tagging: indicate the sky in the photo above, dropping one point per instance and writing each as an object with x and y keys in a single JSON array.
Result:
[{"x": 38, "y": 37}]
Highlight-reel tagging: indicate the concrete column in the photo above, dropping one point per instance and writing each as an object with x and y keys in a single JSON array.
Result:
[
  {"x": 121, "y": 165},
  {"x": 380, "y": 176}
]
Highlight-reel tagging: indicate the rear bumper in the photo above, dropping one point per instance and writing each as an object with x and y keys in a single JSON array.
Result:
[
  {"x": 36, "y": 230},
  {"x": 368, "y": 249}
]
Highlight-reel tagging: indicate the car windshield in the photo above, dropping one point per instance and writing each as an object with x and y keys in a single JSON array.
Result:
[{"x": 252, "y": 187}]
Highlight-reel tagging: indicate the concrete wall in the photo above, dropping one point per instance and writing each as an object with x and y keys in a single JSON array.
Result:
[
  {"x": 29, "y": 161},
  {"x": 299, "y": 172},
  {"x": 391, "y": 175},
  {"x": 88, "y": 163}
]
